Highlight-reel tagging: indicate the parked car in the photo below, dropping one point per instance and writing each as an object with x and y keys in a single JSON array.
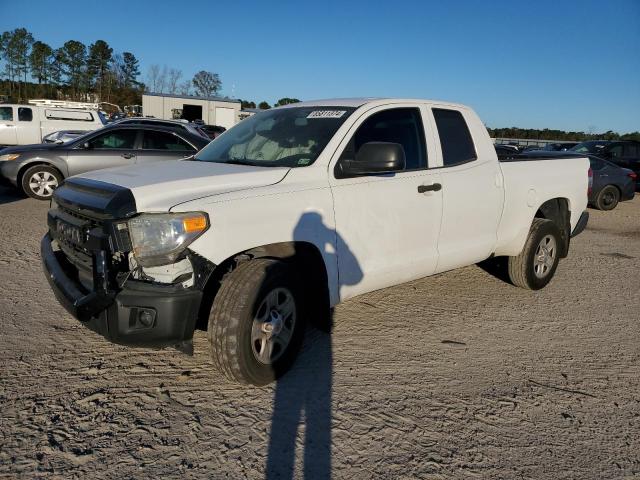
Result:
[
  {"x": 179, "y": 124},
  {"x": 212, "y": 131},
  {"x": 506, "y": 151},
  {"x": 559, "y": 146},
  {"x": 62, "y": 136},
  {"x": 29, "y": 124},
  {"x": 611, "y": 184},
  {"x": 624, "y": 153},
  {"x": 38, "y": 169},
  {"x": 294, "y": 210}
]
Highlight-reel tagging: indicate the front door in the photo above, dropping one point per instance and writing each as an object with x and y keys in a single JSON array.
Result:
[
  {"x": 113, "y": 148},
  {"x": 387, "y": 224},
  {"x": 7, "y": 126}
]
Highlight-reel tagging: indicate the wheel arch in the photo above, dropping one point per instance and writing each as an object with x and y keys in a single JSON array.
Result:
[
  {"x": 558, "y": 210},
  {"x": 27, "y": 166},
  {"x": 306, "y": 258}
]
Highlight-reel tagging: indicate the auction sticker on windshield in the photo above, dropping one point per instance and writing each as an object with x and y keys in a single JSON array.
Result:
[{"x": 326, "y": 114}]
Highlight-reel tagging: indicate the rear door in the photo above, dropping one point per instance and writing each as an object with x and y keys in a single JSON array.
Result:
[
  {"x": 115, "y": 147},
  {"x": 159, "y": 145},
  {"x": 8, "y": 126},
  {"x": 472, "y": 187}
]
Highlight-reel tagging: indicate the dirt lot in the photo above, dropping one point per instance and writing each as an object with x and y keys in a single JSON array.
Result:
[{"x": 454, "y": 376}]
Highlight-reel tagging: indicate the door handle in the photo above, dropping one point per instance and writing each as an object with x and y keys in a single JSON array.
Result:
[
  {"x": 128, "y": 155},
  {"x": 435, "y": 187}
]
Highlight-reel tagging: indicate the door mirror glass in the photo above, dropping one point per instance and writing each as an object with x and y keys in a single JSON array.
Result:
[{"x": 375, "y": 157}]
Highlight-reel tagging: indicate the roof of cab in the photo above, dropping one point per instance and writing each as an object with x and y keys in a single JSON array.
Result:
[{"x": 358, "y": 102}]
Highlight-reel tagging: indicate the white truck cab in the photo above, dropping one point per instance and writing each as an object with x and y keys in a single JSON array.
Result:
[
  {"x": 28, "y": 124},
  {"x": 295, "y": 210}
]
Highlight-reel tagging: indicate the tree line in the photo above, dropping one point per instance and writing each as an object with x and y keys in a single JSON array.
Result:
[
  {"x": 265, "y": 105},
  {"x": 94, "y": 73},
  {"x": 548, "y": 134}
]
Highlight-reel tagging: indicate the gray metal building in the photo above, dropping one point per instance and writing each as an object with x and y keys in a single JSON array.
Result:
[{"x": 219, "y": 111}]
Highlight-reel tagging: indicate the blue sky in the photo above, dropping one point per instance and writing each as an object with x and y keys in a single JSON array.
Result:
[{"x": 566, "y": 64}]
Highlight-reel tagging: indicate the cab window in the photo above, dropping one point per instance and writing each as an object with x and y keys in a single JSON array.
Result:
[
  {"x": 25, "y": 114},
  {"x": 455, "y": 139},
  {"x": 6, "y": 113},
  {"x": 115, "y": 139},
  {"x": 398, "y": 125}
]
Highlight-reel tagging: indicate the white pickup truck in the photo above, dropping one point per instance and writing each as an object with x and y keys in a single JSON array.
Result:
[
  {"x": 29, "y": 124},
  {"x": 293, "y": 211}
]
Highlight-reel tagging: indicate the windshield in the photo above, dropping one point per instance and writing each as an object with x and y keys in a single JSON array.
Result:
[
  {"x": 290, "y": 137},
  {"x": 589, "y": 147}
]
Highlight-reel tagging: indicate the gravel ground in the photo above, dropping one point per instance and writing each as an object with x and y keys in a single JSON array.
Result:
[{"x": 459, "y": 375}]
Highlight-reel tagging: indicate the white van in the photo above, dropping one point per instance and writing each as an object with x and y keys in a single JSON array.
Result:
[{"x": 27, "y": 124}]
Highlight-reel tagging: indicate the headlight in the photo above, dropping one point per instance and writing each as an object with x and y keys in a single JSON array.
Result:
[
  {"x": 158, "y": 239},
  {"x": 9, "y": 156}
]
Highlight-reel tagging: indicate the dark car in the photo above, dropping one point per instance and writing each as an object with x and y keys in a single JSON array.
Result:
[
  {"x": 559, "y": 146},
  {"x": 212, "y": 131},
  {"x": 624, "y": 153},
  {"x": 611, "y": 184},
  {"x": 39, "y": 169},
  {"x": 179, "y": 124},
  {"x": 506, "y": 151}
]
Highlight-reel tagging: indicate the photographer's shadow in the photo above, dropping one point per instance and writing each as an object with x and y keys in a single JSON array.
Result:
[{"x": 303, "y": 395}]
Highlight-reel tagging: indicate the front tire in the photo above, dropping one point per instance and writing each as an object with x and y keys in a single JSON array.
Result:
[
  {"x": 535, "y": 266},
  {"x": 40, "y": 181},
  {"x": 256, "y": 323},
  {"x": 608, "y": 198}
]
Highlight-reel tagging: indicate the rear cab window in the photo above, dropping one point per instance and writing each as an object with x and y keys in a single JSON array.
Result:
[
  {"x": 25, "y": 114},
  {"x": 455, "y": 138}
]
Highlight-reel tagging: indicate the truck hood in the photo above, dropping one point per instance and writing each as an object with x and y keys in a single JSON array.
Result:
[{"x": 158, "y": 186}]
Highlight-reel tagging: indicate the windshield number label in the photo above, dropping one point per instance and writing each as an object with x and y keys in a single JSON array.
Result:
[{"x": 326, "y": 114}]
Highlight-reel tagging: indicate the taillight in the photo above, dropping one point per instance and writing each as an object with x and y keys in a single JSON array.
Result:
[
  {"x": 590, "y": 181},
  {"x": 633, "y": 175}
]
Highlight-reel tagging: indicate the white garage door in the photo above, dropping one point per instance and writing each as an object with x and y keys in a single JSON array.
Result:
[{"x": 225, "y": 117}]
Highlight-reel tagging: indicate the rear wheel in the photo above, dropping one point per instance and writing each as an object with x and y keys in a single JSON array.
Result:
[
  {"x": 608, "y": 198},
  {"x": 535, "y": 266},
  {"x": 256, "y": 322},
  {"x": 40, "y": 181}
]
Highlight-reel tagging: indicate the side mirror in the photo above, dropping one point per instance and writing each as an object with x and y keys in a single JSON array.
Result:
[
  {"x": 58, "y": 142},
  {"x": 86, "y": 145},
  {"x": 375, "y": 157}
]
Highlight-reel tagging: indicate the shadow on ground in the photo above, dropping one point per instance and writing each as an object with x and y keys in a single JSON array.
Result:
[{"x": 9, "y": 194}]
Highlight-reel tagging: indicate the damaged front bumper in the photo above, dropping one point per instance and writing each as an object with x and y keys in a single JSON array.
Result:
[
  {"x": 140, "y": 313},
  {"x": 87, "y": 261}
]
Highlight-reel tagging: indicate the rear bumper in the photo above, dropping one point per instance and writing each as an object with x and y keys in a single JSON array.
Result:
[
  {"x": 140, "y": 313},
  {"x": 581, "y": 225}
]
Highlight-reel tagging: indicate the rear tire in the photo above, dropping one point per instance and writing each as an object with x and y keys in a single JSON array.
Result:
[
  {"x": 40, "y": 181},
  {"x": 258, "y": 302},
  {"x": 608, "y": 198},
  {"x": 535, "y": 266}
]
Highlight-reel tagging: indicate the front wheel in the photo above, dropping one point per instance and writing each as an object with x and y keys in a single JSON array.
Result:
[
  {"x": 256, "y": 322},
  {"x": 40, "y": 181},
  {"x": 535, "y": 266}
]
